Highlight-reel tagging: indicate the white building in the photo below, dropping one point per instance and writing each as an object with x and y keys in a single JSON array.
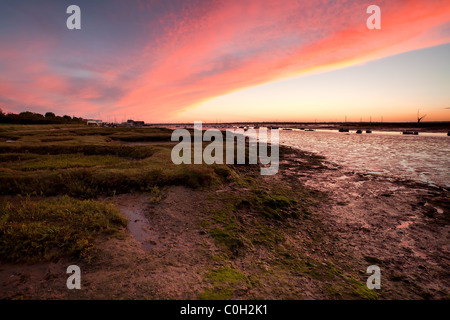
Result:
[{"x": 95, "y": 122}]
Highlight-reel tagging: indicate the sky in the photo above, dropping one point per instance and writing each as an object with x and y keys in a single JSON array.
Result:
[{"x": 253, "y": 60}]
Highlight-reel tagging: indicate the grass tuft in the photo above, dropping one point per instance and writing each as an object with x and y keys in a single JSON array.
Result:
[
  {"x": 44, "y": 230},
  {"x": 225, "y": 282}
]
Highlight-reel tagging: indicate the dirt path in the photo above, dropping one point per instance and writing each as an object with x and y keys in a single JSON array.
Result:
[{"x": 169, "y": 234}]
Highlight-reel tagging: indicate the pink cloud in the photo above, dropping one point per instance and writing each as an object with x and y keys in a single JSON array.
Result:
[
  {"x": 239, "y": 46},
  {"x": 204, "y": 52}
]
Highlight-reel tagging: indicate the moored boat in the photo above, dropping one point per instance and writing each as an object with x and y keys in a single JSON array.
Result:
[{"x": 410, "y": 132}]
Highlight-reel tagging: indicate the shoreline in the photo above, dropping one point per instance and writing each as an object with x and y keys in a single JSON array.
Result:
[{"x": 425, "y": 127}]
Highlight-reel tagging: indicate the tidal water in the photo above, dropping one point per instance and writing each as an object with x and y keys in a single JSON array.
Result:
[{"x": 423, "y": 158}]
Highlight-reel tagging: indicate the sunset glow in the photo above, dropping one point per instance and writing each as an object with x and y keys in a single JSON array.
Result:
[{"x": 164, "y": 61}]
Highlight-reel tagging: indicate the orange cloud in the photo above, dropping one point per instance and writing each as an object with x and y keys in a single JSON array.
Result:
[
  {"x": 199, "y": 52},
  {"x": 242, "y": 45}
]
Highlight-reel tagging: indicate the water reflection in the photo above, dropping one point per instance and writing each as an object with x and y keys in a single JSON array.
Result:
[{"x": 424, "y": 158}]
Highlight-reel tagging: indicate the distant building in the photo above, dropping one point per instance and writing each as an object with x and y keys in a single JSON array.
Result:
[
  {"x": 94, "y": 122},
  {"x": 132, "y": 123}
]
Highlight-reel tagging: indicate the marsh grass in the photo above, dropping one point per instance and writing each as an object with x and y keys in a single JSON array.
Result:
[
  {"x": 224, "y": 281},
  {"x": 264, "y": 217},
  {"x": 74, "y": 163},
  {"x": 131, "y": 152},
  {"x": 83, "y": 162},
  {"x": 34, "y": 230},
  {"x": 141, "y": 138},
  {"x": 59, "y": 161},
  {"x": 240, "y": 221}
]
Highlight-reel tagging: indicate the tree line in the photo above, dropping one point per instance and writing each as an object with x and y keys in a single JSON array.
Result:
[{"x": 28, "y": 117}]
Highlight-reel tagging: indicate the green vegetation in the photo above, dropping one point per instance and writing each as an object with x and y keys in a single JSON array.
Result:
[
  {"x": 155, "y": 194},
  {"x": 240, "y": 221},
  {"x": 224, "y": 283},
  {"x": 28, "y": 117},
  {"x": 264, "y": 217},
  {"x": 81, "y": 162},
  {"x": 34, "y": 230},
  {"x": 163, "y": 136},
  {"x": 85, "y": 162},
  {"x": 60, "y": 161},
  {"x": 228, "y": 239}
]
